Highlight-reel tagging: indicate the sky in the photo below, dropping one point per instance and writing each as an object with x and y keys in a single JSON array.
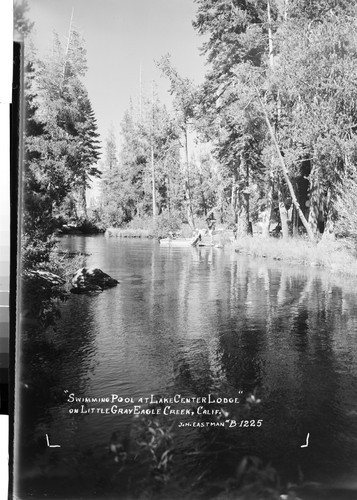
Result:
[{"x": 122, "y": 36}]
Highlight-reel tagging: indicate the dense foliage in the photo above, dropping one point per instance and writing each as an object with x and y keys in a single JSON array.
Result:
[
  {"x": 275, "y": 118},
  {"x": 292, "y": 63},
  {"x": 269, "y": 137},
  {"x": 61, "y": 144},
  {"x": 153, "y": 173}
]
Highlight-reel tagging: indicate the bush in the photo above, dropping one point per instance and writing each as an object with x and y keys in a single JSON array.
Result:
[
  {"x": 142, "y": 222},
  {"x": 112, "y": 215},
  {"x": 35, "y": 251},
  {"x": 145, "y": 227},
  {"x": 167, "y": 223}
]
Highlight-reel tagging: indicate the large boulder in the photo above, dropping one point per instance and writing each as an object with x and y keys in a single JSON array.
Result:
[{"x": 91, "y": 279}]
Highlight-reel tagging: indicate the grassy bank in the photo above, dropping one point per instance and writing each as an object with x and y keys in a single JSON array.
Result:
[
  {"x": 221, "y": 236},
  {"x": 337, "y": 256},
  {"x": 114, "y": 232},
  {"x": 145, "y": 227}
]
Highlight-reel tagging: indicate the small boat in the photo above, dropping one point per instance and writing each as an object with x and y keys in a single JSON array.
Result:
[
  {"x": 176, "y": 242},
  {"x": 183, "y": 242}
]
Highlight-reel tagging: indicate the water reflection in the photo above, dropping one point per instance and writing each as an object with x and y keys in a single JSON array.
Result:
[{"x": 194, "y": 321}]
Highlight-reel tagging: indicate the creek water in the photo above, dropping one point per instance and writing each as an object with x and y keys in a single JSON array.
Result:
[{"x": 193, "y": 322}]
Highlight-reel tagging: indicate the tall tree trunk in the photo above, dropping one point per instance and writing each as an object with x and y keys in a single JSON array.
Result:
[
  {"x": 82, "y": 201},
  {"x": 315, "y": 198},
  {"x": 154, "y": 207},
  {"x": 234, "y": 196},
  {"x": 168, "y": 194},
  {"x": 203, "y": 197},
  {"x": 283, "y": 216},
  {"x": 313, "y": 215},
  {"x": 329, "y": 229},
  {"x": 268, "y": 210},
  {"x": 66, "y": 53},
  {"x": 270, "y": 38},
  {"x": 234, "y": 203},
  {"x": 285, "y": 172},
  {"x": 220, "y": 204},
  {"x": 188, "y": 196},
  {"x": 295, "y": 222},
  {"x": 244, "y": 226},
  {"x": 153, "y": 187},
  {"x": 272, "y": 65}
]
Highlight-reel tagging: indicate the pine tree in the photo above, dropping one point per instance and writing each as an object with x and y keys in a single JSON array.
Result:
[
  {"x": 317, "y": 80},
  {"x": 185, "y": 98},
  {"x": 236, "y": 49},
  {"x": 61, "y": 140},
  {"x": 149, "y": 139}
]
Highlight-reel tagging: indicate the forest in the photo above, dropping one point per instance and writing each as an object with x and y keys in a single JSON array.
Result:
[
  {"x": 266, "y": 145},
  {"x": 264, "y": 150}
]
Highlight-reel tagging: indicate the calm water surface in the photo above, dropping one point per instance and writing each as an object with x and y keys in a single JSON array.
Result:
[{"x": 197, "y": 321}]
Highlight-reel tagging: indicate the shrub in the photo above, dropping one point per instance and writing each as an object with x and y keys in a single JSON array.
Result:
[
  {"x": 36, "y": 251},
  {"x": 145, "y": 227},
  {"x": 167, "y": 223},
  {"x": 142, "y": 222}
]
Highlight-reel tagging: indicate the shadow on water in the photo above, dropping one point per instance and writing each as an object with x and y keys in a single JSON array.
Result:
[{"x": 191, "y": 322}]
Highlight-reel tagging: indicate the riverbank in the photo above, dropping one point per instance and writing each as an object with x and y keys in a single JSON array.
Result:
[
  {"x": 83, "y": 227},
  {"x": 338, "y": 256},
  {"x": 114, "y": 232},
  {"x": 222, "y": 236}
]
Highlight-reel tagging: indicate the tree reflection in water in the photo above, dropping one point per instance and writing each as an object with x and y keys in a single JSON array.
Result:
[{"x": 195, "y": 322}]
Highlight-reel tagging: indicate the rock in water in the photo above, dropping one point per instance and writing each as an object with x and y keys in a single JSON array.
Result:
[{"x": 91, "y": 280}]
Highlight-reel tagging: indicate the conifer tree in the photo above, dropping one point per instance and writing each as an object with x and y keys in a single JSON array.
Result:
[{"x": 61, "y": 140}]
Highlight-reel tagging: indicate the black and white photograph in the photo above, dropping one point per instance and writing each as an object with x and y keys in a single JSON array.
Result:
[{"x": 186, "y": 278}]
